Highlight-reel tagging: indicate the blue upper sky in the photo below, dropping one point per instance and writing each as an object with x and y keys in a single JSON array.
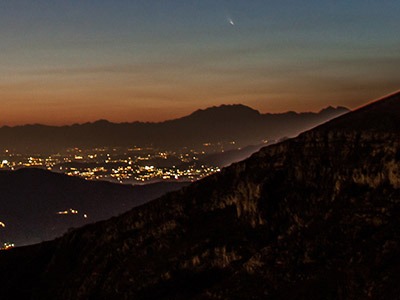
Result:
[{"x": 74, "y": 61}]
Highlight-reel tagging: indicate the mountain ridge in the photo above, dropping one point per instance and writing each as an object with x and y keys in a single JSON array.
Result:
[
  {"x": 311, "y": 217},
  {"x": 222, "y": 124},
  {"x": 222, "y": 107}
]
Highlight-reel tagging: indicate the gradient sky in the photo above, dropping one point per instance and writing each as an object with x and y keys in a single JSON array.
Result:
[{"x": 67, "y": 61}]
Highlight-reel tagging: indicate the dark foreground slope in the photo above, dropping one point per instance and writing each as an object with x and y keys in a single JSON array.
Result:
[
  {"x": 31, "y": 201},
  {"x": 316, "y": 217}
]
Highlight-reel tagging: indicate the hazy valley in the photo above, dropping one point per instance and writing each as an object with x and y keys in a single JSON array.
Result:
[
  {"x": 187, "y": 149},
  {"x": 313, "y": 215}
]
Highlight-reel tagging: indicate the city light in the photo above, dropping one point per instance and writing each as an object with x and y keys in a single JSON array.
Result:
[{"x": 122, "y": 165}]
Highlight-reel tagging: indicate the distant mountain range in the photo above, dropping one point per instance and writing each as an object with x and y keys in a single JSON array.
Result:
[
  {"x": 241, "y": 124},
  {"x": 314, "y": 217},
  {"x": 38, "y": 205}
]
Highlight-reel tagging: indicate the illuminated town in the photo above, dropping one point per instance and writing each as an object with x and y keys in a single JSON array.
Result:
[
  {"x": 124, "y": 165},
  {"x": 136, "y": 165},
  {"x": 6, "y": 245}
]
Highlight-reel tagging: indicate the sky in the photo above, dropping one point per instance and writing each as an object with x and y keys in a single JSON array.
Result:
[{"x": 73, "y": 61}]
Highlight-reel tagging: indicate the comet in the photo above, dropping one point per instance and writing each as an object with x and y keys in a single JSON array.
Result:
[{"x": 231, "y": 22}]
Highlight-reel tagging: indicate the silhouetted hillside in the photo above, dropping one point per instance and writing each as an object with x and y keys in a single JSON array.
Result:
[
  {"x": 223, "y": 159},
  {"x": 315, "y": 217},
  {"x": 226, "y": 123},
  {"x": 35, "y": 205}
]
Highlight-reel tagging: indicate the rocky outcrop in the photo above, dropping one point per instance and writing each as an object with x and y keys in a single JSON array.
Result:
[{"x": 316, "y": 217}]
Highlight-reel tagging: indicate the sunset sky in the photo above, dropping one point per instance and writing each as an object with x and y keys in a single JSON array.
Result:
[{"x": 68, "y": 61}]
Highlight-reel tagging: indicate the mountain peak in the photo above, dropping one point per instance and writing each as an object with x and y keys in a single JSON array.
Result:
[
  {"x": 381, "y": 114},
  {"x": 331, "y": 109},
  {"x": 313, "y": 216},
  {"x": 225, "y": 109},
  {"x": 101, "y": 122}
]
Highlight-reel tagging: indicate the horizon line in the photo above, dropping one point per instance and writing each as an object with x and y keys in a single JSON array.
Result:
[{"x": 184, "y": 116}]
